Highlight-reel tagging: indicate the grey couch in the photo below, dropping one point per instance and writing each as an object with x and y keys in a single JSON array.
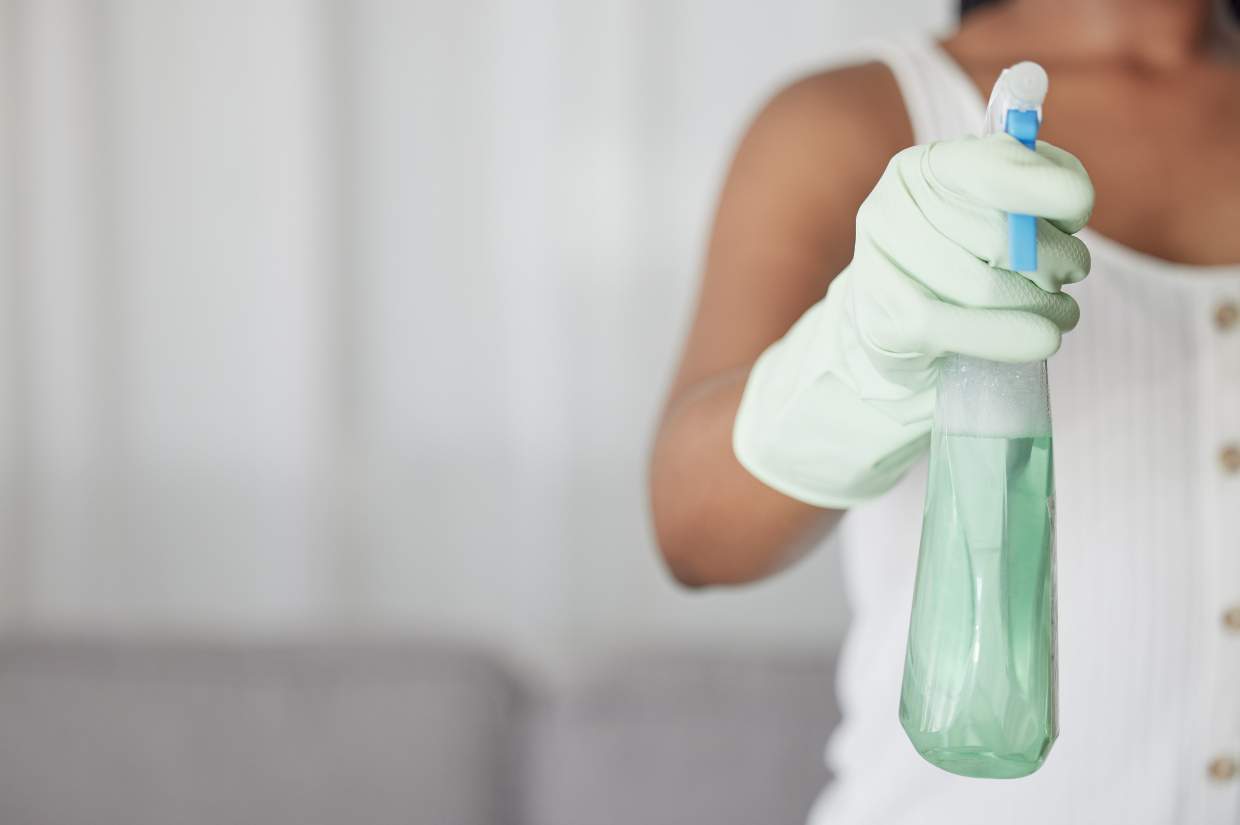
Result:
[{"x": 99, "y": 732}]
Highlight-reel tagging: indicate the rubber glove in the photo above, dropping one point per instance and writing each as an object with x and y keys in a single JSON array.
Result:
[{"x": 837, "y": 410}]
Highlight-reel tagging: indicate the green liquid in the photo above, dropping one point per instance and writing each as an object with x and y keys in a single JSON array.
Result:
[{"x": 979, "y": 693}]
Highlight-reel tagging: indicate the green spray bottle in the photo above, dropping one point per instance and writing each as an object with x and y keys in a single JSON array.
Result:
[{"x": 980, "y": 690}]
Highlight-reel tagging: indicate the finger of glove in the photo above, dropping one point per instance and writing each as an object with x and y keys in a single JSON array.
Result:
[
  {"x": 998, "y": 172},
  {"x": 897, "y": 314},
  {"x": 903, "y": 317},
  {"x": 897, "y": 242},
  {"x": 994, "y": 334},
  {"x": 985, "y": 234},
  {"x": 1067, "y": 160}
]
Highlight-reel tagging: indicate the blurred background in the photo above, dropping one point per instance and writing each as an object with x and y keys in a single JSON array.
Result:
[{"x": 354, "y": 317}]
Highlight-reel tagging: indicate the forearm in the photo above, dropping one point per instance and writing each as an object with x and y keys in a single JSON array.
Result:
[{"x": 716, "y": 523}]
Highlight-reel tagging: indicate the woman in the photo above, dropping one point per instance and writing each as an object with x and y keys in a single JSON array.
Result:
[{"x": 828, "y": 400}]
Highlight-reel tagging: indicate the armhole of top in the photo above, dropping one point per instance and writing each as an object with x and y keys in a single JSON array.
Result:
[{"x": 940, "y": 99}]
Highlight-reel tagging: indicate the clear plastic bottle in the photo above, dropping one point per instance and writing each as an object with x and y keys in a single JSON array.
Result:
[{"x": 980, "y": 682}]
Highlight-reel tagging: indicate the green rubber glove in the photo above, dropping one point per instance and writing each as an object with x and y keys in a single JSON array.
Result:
[{"x": 837, "y": 410}]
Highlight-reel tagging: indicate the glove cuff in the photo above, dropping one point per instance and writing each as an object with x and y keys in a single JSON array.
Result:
[{"x": 820, "y": 442}]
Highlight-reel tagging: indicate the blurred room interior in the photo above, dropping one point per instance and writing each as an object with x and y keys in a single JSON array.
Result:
[{"x": 332, "y": 336}]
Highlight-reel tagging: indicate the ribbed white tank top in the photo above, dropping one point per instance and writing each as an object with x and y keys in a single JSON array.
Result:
[{"x": 1146, "y": 404}]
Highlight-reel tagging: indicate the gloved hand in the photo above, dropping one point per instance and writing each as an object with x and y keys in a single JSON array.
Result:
[{"x": 836, "y": 411}]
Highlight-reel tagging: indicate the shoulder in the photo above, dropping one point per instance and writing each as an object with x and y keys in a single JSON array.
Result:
[
  {"x": 860, "y": 98},
  {"x": 859, "y": 104},
  {"x": 835, "y": 128}
]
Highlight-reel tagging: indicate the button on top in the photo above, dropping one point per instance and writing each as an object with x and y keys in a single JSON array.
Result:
[
  {"x": 1226, "y": 315},
  {"x": 1222, "y": 768},
  {"x": 1229, "y": 457},
  {"x": 1231, "y": 619}
]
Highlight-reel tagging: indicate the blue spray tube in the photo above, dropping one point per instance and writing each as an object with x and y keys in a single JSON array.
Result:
[
  {"x": 1022, "y": 124},
  {"x": 980, "y": 692},
  {"x": 1015, "y": 107}
]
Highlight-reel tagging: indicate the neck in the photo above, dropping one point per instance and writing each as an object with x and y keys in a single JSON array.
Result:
[{"x": 1153, "y": 33}]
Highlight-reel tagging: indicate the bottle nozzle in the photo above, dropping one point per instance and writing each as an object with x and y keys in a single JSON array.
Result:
[
  {"x": 1016, "y": 108},
  {"x": 1026, "y": 83}
]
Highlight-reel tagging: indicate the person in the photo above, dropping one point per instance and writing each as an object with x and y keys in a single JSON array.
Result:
[{"x": 795, "y": 415}]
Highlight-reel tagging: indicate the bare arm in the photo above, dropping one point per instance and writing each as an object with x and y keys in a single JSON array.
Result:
[{"x": 784, "y": 228}]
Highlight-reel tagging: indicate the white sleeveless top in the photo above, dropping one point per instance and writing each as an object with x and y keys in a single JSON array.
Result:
[{"x": 1146, "y": 405}]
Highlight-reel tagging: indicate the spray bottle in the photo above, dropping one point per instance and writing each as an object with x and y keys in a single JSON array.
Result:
[{"x": 980, "y": 682}]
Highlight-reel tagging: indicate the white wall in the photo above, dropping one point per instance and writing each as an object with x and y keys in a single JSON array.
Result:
[{"x": 358, "y": 314}]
